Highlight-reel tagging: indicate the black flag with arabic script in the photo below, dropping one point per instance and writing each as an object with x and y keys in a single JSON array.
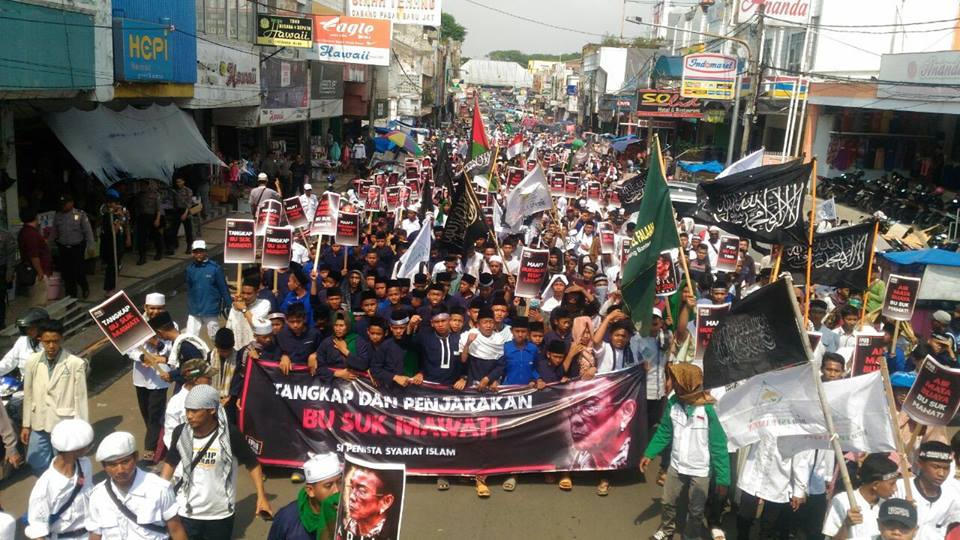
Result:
[
  {"x": 760, "y": 333},
  {"x": 841, "y": 257},
  {"x": 631, "y": 192},
  {"x": 764, "y": 204},
  {"x": 465, "y": 222}
]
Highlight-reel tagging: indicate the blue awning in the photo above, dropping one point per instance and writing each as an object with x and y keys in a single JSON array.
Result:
[
  {"x": 924, "y": 256},
  {"x": 696, "y": 166},
  {"x": 668, "y": 67}
]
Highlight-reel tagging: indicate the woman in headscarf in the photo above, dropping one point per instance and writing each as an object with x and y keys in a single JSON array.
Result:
[
  {"x": 353, "y": 290},
  {"x": 553, "y": 294},
  {"x": 342, "y": 352},
  {"x": 581, "y": 347}
]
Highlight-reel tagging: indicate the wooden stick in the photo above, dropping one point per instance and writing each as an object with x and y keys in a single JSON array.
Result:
[
  {"x": 866, "y": 293},
  {"x": 239, "y": 277},
  {"x": 914, "y": 433},
  {"x": 775, "y": 274},
  {"x": 813, "y": 223},
  {"x": 895, "y": 426},
  {"x": 345, "y": 249},
  {"x": 316, "y": 256},
  {"x": 825, "y": 406}
]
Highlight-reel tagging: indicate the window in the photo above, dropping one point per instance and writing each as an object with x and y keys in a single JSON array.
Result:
[
  {"x": 767, "y": 51},
  {"x": 245, "y": 21},
  {"x": 216, "y": 17},
  {"x": 200, "y": 9},
  {"x": 794, "y": 51}
]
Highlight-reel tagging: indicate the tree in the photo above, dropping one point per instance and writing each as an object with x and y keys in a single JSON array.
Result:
[
  {"x": 523, "y": 59},
  {"x": 451, "y": 29}
]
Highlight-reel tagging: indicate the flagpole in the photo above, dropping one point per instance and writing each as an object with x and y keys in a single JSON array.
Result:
[
  {"x": 825, "y": 407},
  {"x": 473, "y": 197},
  {"x": 894, "y": 425},
  {"x": 866, "y": 295},
  {"x": 775, "y": 275},
  {"x": 813, "y": 224}
]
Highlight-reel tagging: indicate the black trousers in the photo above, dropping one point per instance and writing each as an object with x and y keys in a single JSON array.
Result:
[
  {"x": 153, "y": 404},
  {"x": 173, "y": 226},
  {"x": 110, "y": 270},
  {"x": 72, "y": 268},
  {"x": 772, "y": 521},
  {"x": 212, "y": 529},
  {"x": 147, "y": 233},
  {"x": 808, "y": 519}
]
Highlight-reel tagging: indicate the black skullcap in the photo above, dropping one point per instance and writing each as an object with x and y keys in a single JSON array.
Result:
[
  {"x": 334, "y": 291},
  {"x": 476, "y": 302},
  {"x": 161, "y": 320},
  {"x": 420, "y": 279},
  {"x": 418, "y": 293},
  {"x": 486, "y": 279},
  {"x": 536, "y": 326},
  {"x": 557, "y": 346},
  {"x": 444, "y": 277},
  {"x": 519, "y": 322},
  {"x": 368, "y": 295},
  {"x": 485, "y": 313},
  {"x": 935, "y": 451},
  {"x": 468, "y": 279},
  {"x": 404, "y": 283}
]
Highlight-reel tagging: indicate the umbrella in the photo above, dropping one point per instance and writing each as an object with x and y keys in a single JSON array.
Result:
[
  {"x": 404, "y": 141},
  {"x": 620, "y": 144}
]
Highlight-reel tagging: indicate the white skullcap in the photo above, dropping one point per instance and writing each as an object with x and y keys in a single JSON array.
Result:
[
  {"x": 198, "y": 244},
  {"x": 262, "y": 177},
  {"x": 496, "y": 259},
  {"x": 202, "y": 396},
  {"x": 114, "y": 446},
  {"x": 322, "y": 467},
  {"x": 262, "y": 327},
  {"x": 156, "y": 299},
  {"x": 307, "y": 187},
  {"x": 72, "y": 434}
]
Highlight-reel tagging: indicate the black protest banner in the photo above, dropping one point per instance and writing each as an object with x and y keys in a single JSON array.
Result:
[
  {"x": 464, "y": 223},
  {"x": 556, "y": 184},
  {"x": 348, "y": 229},
  {"x": 593, "y": 191},
  {"x": 667, "y": 283},
  {"x": 270, "y": 214},
  {"x": 533, "y": 270},
  {"x": 815, "y": 338},
  {"x": 868, "y": 351},
  {"x": 729, "y": 253},
  {"x": 760, "y": 333},
  {"x": 630, "y": 193},
  {"x": 277, "y": 248},
  {"x": 239, "y": 245},
  {"x": 478, "y": 166},
  {"x": 371, "y": 199},
  {"x": 388, "y": 482},
  {"x": 841, "y": 257},
  {"x": 293, "y": 209},
  {"x": 763, "y": 204},
  {"x": 900, "y": 297},
  {"x": 708, "y": 319},
  {"x": 607, "y": 240},
  {"x": 325, "y": 220},
  {"x": 594, "y": 424},
  {"x": 122, "y": 323},
  {"x": 935, "y": 395}
]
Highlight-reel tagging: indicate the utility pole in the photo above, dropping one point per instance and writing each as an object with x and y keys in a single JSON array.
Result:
[{"x": 750, "y": 112}]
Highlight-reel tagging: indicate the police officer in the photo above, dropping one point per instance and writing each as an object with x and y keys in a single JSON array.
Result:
[
  {"x": 149, "y": 221},
  {"x": 72, "y": 234}
]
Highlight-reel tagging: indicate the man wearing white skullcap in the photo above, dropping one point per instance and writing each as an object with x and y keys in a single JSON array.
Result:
[
  {"x": 120, "y": 506},
  {"x": 149, "y": 368},
  {"x": 314, "y": 513},
  {"x": 263, "y": 348},
  {"x": 206, "y": 495},
  {"x": 58, "y": 501}
]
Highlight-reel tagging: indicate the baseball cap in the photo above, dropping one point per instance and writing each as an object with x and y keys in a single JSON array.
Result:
[{"x": 898, "y": 511}]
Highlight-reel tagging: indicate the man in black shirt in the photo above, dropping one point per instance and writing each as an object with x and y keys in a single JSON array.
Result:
[{"x": 298, "y": 342}]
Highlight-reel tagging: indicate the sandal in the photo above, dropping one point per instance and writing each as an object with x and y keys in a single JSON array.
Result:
[
  {"x": 603, "y": 488},
  {"x": 662, "y": 478},
  {"x": 510, "y": 484},
  {"x": 482, "y": 490},
  {"x": 566, "y": 484},
  {"x": 442, "y": 484}
]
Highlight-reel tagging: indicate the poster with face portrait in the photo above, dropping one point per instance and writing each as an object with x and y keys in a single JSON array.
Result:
[
  {"x": 371, "y": 500},
  {"x": 533, "y": 270},
  {"x": 607, "y": 241},
  {"x": 595, "y": 424},
  {"x": 514, "y": 177},
  {"x": 556, "y": 184},
  {"x": 371, "y": 199},
  {"x": 667, "y": 282},
  {"x": 325, "y": 221}
]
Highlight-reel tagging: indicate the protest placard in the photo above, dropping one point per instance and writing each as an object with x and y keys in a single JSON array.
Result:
[
  {"x": 900, "y": 297},
  {"x": 348, "y": 229},
  {"x": 361, "y": 478},
  {"x": 729, "y": 253},
  {"x": 667, "y": 282},
  {"x": 533, "y": 270},
  {"x": 708, "y": 319},
  {"x": 239, "y": 246},
  {"x": 277, "y": 245},
  {"x": 122, "y": 323},
  {"x": 293, "y": 210},
  {"x": 935, "y": 396},
  {"x": 868, "y": 351}
]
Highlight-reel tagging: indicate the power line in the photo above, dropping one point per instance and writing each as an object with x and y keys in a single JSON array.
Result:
[
  {"x": 857, "y": 30},
  {"x": 534, "y": 21}
]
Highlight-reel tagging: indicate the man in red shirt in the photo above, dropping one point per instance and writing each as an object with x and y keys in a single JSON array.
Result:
[{"x": 35, "y": 252}]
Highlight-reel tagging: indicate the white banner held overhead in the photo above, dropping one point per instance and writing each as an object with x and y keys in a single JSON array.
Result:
[
  {"x": 418, "y": 253},
  {"x": 747, "y": 162}
]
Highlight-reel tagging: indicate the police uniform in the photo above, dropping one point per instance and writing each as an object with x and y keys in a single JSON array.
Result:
[{"x": 72, "y": 234}]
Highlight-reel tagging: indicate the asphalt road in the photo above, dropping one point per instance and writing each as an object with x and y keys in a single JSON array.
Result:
[{"x": 534, "y": 510}]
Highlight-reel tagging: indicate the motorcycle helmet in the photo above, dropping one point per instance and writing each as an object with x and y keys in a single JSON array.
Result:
[{"x": 32, "y": 317}]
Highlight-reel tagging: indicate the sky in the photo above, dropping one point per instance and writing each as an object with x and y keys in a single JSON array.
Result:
[{"x": 490, "y": 31}]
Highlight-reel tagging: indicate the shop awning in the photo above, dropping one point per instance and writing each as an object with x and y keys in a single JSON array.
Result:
[
  {"x": 887, "y": 104},
  {"x": 131, "y": 143}
]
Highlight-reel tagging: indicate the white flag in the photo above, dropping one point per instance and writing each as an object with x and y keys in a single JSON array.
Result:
[
  {"x": 531, "y": 195},
  {"x": 827, "y": 210},
  {"x": 419, "y": 251},
  {"x": 745, "y": 163},
  {"x": 773, "y": 404},
  {"x": 860, "y": 417}
]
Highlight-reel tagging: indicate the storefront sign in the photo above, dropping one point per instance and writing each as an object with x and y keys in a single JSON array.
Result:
[
  {"x": 326, "y": 81},
  {"x": 776, "y": 12},
  {"x": 226, "y": 76},
  {"x": 618, "y": 103},
  {"x": 284, "y": 31},
  {"x": 352, "y": 40},
  {"x": 933, "y": 76},
  {"x": 581, "y": 425},
  {"x": 285, "y": 89},
  {"x": 668, "y": 104},
  {"x": 709, "y": 76},
  {"x": 420, "y": 12},
  {"x": 145, "y": 54}
]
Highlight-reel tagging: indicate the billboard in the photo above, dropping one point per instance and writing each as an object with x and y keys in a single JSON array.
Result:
[{"x": 352, "y": 40}]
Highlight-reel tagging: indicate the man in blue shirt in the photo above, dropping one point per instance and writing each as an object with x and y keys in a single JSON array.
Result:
[
  {"x": 520, "y": 357},
  {"x": 207, "y": 292},
  {"x": 829, "y": 338}
]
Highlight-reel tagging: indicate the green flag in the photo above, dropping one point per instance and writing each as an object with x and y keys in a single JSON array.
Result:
[{"x": 655, "y": 232}]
